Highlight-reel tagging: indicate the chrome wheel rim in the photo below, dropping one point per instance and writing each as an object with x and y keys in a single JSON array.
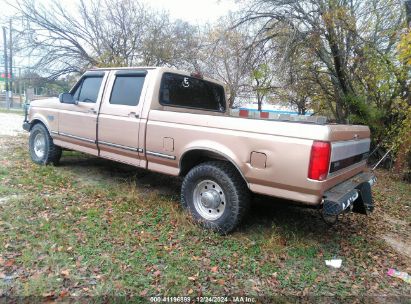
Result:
[
  {"x": 209, "y": 200},
  {"x": 39, "y": 145}
]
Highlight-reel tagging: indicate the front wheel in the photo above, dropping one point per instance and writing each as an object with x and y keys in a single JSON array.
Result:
[
  {"x": 216, "y": 195},
  {"x": 41, "y": 147}
]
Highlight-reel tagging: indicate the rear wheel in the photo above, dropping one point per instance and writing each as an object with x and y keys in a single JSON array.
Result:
[
  {"x": 42, "y": 149},
  {"x": 216, "y": 195}
]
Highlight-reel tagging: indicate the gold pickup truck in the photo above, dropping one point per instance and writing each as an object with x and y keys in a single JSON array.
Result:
[{"x": 177, "y": 123}]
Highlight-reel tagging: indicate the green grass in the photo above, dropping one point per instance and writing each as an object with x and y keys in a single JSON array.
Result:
[{"x": 93, "y": 227}]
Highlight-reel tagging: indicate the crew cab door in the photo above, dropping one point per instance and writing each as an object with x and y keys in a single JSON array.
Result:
[
  {"x": 77, "y": 122},
  {"x": 119, "y": 117}
]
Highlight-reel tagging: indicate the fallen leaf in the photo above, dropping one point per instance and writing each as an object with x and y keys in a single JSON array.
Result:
[
  {"x": 9, "y": 263},
  {"x": 65, "y": 272},
  {"x": 144, "y": 293},
  {"x": 221, "y": 282},
  {"x": 256, "y": 288},
  {"x": 41, "y": 257},
  {"x": 214, "y": 269},
  {"x": 190, "y": 291},
  {"x": 64, "y": 293},
  {"x": 118, "y": 285},
  {"x": 157, "y": 273},
  {"x": 192, "y": 278},
  {"x": 49, "y": 295}
]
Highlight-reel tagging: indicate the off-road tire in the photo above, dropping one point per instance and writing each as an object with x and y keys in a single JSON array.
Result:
[
  {"x": 237, "y": 194},
  {"x": 52, "y": 153}
]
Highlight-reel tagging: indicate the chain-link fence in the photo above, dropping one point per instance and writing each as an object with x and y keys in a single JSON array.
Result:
[{"x": 16, "y": 102}]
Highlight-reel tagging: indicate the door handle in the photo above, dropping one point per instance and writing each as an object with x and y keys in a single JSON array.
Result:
[
  {"x": 92, "y": 111},
  {"x": 133, "y": 114}
]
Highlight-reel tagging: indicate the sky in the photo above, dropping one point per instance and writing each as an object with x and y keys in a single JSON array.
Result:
[
  {"x": 195, "y": 11},
  {"x": 192, "y": 11}
]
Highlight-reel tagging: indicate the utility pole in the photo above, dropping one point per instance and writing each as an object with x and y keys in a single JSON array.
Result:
[
  {"x": 21, "y": 98},
  {"x": 11, "y": 65},
  {"x": 6, "y": 72}
]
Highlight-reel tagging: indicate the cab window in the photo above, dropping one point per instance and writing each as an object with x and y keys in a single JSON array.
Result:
[
  {"x": 88, "y": 89},
  {"x": 189, "y": 92},
  {"x": 127, "y": 90}
]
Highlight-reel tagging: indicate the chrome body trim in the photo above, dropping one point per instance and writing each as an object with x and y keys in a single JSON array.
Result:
[
  {"x": 162, "y": 155},
  {"x": 120, "y": 146},
  {"x": 77, "y": 137}
]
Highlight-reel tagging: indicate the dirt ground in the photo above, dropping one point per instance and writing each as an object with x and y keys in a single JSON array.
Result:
[{"x": 10, "y": 124}]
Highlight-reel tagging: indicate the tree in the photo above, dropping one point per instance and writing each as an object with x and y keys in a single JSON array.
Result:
[
  {"x": 340, "y": 37},
  {"x": 102, "y": 33},
  {"x": 231, "y": 56},
  {"x": 263, "y": 78},
  {"x": 225, "y": 58}
]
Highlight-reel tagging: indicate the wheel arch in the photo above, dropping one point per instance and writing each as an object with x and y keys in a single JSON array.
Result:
[
  {"x": 38, "y": 120},
  {"x": 52, "y": 153},
  {"x": 196, "y": 156}
]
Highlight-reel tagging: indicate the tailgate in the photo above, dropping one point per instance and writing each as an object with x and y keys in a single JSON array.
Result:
[
  {"x": 347, "y": 153},
  {"x": 350, "y": 145}
]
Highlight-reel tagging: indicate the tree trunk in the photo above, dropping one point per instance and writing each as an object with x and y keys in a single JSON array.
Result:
[
  {"x": 301, "y": 110},
  {"x": 231, "y": 99},
  {"x": 260, "y": 101}
]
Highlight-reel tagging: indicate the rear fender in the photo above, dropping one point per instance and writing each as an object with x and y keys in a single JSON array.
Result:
[{"x": 223, "y": 153}]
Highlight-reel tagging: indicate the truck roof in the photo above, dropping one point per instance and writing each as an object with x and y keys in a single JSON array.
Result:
[{"x": 160, "y": 69}]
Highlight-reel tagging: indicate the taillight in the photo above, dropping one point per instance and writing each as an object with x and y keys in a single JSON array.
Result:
[{"x": 319, "y": 160}]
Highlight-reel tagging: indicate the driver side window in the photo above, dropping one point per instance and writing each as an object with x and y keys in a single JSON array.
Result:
[{"x": 88, "y": 89}]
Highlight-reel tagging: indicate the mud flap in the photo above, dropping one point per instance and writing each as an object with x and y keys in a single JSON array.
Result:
[{"x": 364, "y": 203}]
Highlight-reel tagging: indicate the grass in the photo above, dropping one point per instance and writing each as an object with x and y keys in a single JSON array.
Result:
[
  {"x": 14, "y": 111},
  {"x": 91, "y": 227}
]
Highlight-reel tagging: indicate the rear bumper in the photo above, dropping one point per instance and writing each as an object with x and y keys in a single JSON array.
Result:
[{"x": 353, "y": 194}]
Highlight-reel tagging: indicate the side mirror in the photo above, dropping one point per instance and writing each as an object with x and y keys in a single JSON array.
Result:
[{"x": 67, "y": 98}]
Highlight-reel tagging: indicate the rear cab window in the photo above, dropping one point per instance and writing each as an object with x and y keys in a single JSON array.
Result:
[{"x": 189, "y": 92}]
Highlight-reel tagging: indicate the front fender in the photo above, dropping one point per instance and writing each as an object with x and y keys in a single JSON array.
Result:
[{"x": 47, "y": 119}]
